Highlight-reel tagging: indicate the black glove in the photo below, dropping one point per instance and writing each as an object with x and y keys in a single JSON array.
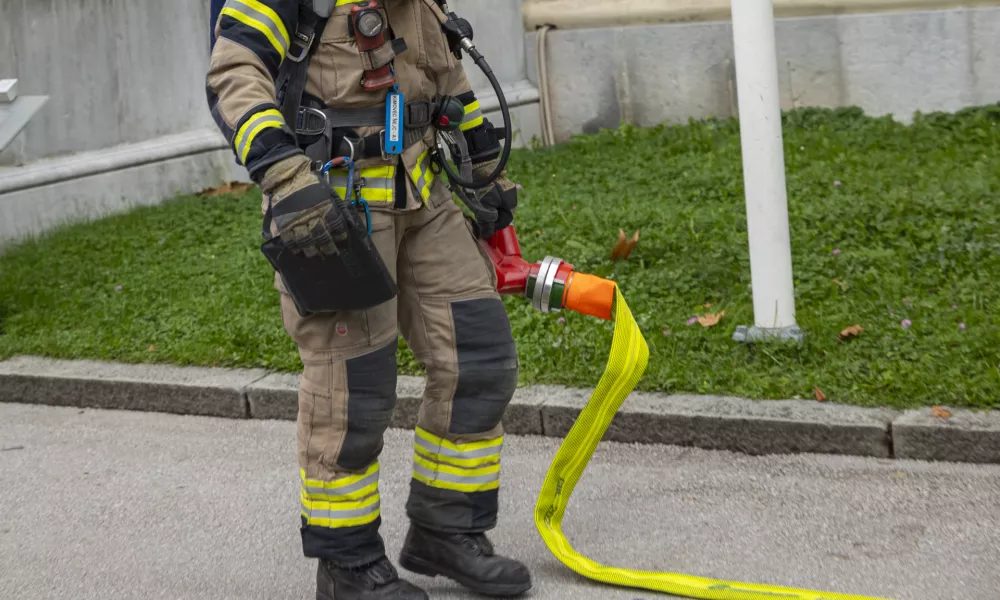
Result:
[
  {"x": 308, "y": 214},
  {"x": 497, "y": 202}
]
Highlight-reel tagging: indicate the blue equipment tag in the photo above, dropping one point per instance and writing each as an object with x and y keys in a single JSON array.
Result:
[{"x": 393, "y": 143}]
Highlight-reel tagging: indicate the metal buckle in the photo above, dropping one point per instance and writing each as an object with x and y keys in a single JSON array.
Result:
[
  {"x": 306, "y": 41},
  {"x": 302, "y": 127}
]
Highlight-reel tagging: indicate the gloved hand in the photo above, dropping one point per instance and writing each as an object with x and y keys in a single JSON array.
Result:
[
  {"x": 307, "y": 212},
  {"x": 498, "y": 201}
]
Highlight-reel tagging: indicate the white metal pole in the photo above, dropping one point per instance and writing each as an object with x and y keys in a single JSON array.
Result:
[{"x": 764, "y": 168}]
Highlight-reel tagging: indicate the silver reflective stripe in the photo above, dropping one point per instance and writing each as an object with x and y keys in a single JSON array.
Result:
[
  {"x": 423, "y": 166},
  {"x": 248, "y": 136},
  {"x": 342, "y": 491},
  {"x": 442, "y": 451},
  {"x": 264, "y": 20},
  {"x": 472, "y": 116},
  {"x": 335, "y": 515},
  {"x": 377, "y": 183},
  {"x": 439, "y": 476}
]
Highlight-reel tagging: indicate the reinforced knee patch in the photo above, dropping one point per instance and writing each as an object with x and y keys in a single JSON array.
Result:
[
  {"x": 371, "y": 398},
  {"x": 487, "y": 365}
]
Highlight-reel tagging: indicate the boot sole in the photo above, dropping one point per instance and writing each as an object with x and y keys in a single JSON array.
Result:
[{"x": 418, "y": 565}]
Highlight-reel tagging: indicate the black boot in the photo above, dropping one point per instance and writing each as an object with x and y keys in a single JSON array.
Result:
[
  {"x": 465, "y": 558},
  {"x": 377, "y": 581}
]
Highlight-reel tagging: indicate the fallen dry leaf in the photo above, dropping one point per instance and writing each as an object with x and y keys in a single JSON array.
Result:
[
  {"x": 710, "y": 319},
  {"x": 152, "y": 348},
  {"x": 852, "y": 331},
  {"x": 624, "y": 246},
  {"x": 820, "y": 396},
  {"x": 941, "y": 413}
]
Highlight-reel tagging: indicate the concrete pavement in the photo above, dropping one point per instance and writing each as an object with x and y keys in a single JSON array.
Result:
[{"x": 107, "y": 505}]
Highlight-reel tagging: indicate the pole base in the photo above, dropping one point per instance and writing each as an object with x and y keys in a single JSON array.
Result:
[{"x": 749, "y": 334}]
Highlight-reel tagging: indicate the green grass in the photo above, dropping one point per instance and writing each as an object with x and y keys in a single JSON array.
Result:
[{"x": 914, "y": 218}]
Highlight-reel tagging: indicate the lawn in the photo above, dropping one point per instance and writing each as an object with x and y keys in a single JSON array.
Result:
[{"x": 894, "y": 228}]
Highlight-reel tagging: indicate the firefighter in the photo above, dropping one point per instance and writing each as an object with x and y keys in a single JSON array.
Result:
[{"x": 292, "y": 85}]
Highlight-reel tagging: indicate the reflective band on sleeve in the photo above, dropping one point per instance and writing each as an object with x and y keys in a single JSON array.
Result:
[
  {"x": 423, "y": 176},
  {"x": 258, "y": 16},
  {"x": 472, "y": 467},
  {"x": 378, "y": 183},
  {"x": 473, "y": 116},
  {"x": 346, "y": 502},
  {"x": 259, "y": 122}
]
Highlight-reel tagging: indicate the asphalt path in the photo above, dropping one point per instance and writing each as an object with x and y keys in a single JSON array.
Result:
[{"x": 106, "y": 505}]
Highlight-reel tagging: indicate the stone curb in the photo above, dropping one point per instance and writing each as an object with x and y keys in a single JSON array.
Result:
[{"x": 755, "y": 427}]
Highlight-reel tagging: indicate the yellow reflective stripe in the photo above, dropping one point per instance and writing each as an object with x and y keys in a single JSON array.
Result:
[
  {"x": 380, "y": 183},
  {"x": 346, "y": 2},
  {"x": 473, "y": 116},
  {"x": 458, "y": 472},
  {"x": 340, "y": 514},
  {"x": 332, "y": 496},
  {"x": 458, "y": 487},
  {"x": 416, "y": 171},
  {"x": 248, "y": 132},
  {"x": 425, "y": 192},
  {"x": 423, "y": 176},
  {"x": 467, "y": 125},
  {"x": 467, "y": 447},
  {"x": 338, "y": 483},
  {"x": 458, "y": 462},
  {"x": 258, "y": 16},
  {"x": 369, "y": 194}
]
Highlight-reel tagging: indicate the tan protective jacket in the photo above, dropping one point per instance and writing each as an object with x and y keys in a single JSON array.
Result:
[{"x": 253, "y": 41}]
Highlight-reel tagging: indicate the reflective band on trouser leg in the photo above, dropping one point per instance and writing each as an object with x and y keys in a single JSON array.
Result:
[
  {"x": 347, "y": 502},
  {"x": 473, "y": 116},
  {"x": 260, "y": 17},
  {"x": 473, "y": 467},
  {"x": 378, "y": 183},
  {"x": 254, "y": 125},
  {"x": 423, "y": 176},
  {"x": 629, "y": 355}
]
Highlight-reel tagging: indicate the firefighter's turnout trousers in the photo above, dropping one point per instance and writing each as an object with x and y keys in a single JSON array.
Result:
[{"x": 447, "y": 308}]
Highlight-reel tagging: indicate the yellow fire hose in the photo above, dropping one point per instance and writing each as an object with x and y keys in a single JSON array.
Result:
[{"x": 629, "y": 356}]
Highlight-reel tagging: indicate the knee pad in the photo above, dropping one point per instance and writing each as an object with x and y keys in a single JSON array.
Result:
[
  {"x": 371, "y": 398},
  {"x": 487, "y": 365}
]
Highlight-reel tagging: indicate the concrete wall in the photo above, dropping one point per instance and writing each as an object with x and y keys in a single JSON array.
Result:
[
  {"x": 888, "y": 63},
  {"x": 127, "y": 121},
  {"x": 115, "y": 71}
]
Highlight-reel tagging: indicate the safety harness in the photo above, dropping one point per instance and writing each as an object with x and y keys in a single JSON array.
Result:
[{"x": 325, "y": 133}]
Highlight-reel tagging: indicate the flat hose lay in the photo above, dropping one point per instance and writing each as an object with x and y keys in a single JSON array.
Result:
[{"x": 626, "y": 364}]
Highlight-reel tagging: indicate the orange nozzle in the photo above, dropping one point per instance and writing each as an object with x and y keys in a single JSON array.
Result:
[{"x": 590, "y": 295}]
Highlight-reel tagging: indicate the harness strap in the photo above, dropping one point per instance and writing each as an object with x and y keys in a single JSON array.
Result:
[{"x": 291, "y": 80}]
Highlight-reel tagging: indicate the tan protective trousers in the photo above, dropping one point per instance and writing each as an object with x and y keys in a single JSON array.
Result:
[{"x": 451, "y": 316}]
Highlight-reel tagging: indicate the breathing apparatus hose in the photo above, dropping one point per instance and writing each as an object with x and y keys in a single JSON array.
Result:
[
  {"x": 480, "y": 61},
  {"x": 626, "y": 364}
]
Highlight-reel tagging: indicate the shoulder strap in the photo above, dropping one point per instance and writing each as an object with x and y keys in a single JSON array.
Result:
[{"x": 291, "y": 80}]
